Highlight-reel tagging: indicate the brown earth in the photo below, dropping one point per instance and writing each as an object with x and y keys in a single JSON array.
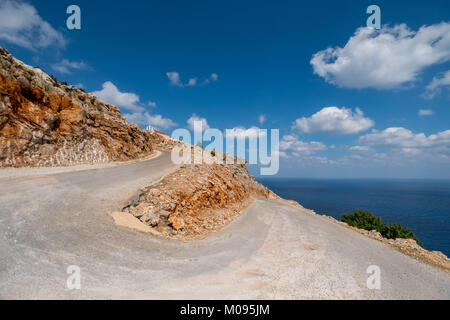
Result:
[{"x": 46, "y": 123}]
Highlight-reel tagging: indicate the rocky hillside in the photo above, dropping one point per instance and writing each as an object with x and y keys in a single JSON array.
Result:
[
  {"x": 44, "y": 122},
  {"x": 197, "y": 199}
]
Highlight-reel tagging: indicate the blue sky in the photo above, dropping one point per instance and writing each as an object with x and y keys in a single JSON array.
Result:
[{"x": 353, "y": 111}]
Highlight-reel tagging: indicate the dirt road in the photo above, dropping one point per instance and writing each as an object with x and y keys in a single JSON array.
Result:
[{"x": 273, "y": 250}]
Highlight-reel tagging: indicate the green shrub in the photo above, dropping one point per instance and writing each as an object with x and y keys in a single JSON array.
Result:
[{"x": 365, "y": 220}]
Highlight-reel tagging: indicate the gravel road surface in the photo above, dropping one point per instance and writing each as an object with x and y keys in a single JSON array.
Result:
[{"x": 274, "y": 250}]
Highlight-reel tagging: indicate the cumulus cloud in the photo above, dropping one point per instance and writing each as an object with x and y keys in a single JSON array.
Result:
[
  {"x": 158, "y": 121},
  {"x": 426, "y": 112},
  {"x": 79, "y": 85},
  {"x": 152, "y": 104},
  {"x": 334, "y": 120},
  {"x": 66, "y": 67},
  {"x": 111, "y": 94},
  {"x": 175, "y": 80},
  {"x": 146, "y": 119},
  {"x": 401, "y": 144},
  {"x": 245, "y": 133},
  {"x": 195, "y": 118},
  {"x": 135, "y": 112},
  {"x": 360, "y": 148},
  {"x": 385, "y": 58},
  {"x": 435, "y": 85},
  {"x": 405, "y": 138},
  {"x": 262, "y": 119},
  {"x": 192, "y": 82},
  {"x": 212, "y": 78},
  {"x": 293, "y": 144},
  {"x": 20, "y": 24}
]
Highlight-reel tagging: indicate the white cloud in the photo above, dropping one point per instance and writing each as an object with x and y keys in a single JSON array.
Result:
[
  {"x": 360, "y": 148},
  {"x": 404, "y": 138},
  {"x": 158, "y": 121},
  {"x": 130, "y": 102},
  {"x": 334, "y": 120},
  {"x": 21, "y": 25},
  {"x": 152, "y": 104},
  {"x": 401, "y": 147},
  {"x": 435, "y": 85},
  {"x": 79, "y": 85},
  {"x": 243, "y": 133},
  {"x": 192, "y": 82},
  {"x": 146, "y": 119},
  {"x": 311, "y": 161},
  {"x": 426, "y": 112},
  {"x": 383, "y": 58},
  {"x": 65, "y": 66},
  {"x": 262, "y": 119},
  {"x": 213, "y": 78},
  {"x": 195, "y": 118},
  {"x": 111, "y": 94},
  {"x": 300, "y": 148},
  {"x": 175, "y": 80},
  {"x": 281, "y": 154}
]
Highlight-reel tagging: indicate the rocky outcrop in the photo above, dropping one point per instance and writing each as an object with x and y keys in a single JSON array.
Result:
[
  {"x": 44, "y": 122},
  {"x": 197, "y": 199}
]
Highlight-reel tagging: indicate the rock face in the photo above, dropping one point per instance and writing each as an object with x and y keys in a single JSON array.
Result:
[
  {"x": 197, "y": 199},
  {"x": 44, "y": 122}
]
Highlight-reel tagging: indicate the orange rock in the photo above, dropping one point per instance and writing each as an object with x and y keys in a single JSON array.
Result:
[
  {"x": 44, "y": 122},
  {"x": 207, "y": 205},
  {"x": 176, "y": 222}
]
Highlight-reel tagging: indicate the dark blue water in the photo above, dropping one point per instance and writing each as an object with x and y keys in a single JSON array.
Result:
[{"x": 421, "y": 205}]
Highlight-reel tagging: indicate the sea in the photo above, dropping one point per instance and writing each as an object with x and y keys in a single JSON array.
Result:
[{"x": 421, "y": 205}]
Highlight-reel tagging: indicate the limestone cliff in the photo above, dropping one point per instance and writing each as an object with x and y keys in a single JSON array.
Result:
[{"x": 44, "y": 122}]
